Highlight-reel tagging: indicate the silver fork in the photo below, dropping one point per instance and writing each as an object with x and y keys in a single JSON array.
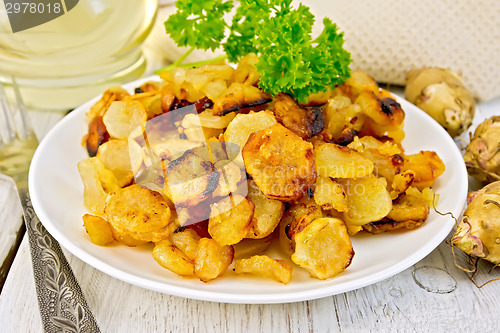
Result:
[{"x": 63, "y": 307}]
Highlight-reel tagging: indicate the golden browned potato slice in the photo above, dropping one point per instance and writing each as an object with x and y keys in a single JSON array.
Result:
[
  {"x": 358, "y": 82},
  {"x": 167, "y": 97},
  {"x": 140, "y": 213},
  {"x": 212, "y": 259},
  {"x": 286, "y": 243},
  {"x": 230, "y": 219},
  {"x": 320, "y": 98},
  {"x": 278, "y": 270},
  {"x": 173, "y": 148},
  {"x": 337, "y": 161},
  {"x": 281, "y": 163},
  {"x": 98, "y": 229},
  {"x": 367, "y": 200},
  {"x": 216, "y": 149},
  {"x": 427, "y": 166},
  {"x": 186, "y": 240},
  {"x": 267, "y": 214},
  {"x": 386, "y": 225},
  {"x": 239, "y": 96},
  {"x": 122, "y": 117},
  {"x": 383, "y": 111},
  {"x": 148, "y": 87},
  {"x": 386, "y": 157},
  {"x": 230, "y": 176},
  {"x": 97, "y": 183},
  {"x": 97, "y": 135},
  {"x": 207, "y": 119},
  {"x": 193, "y": 84},
  {"x": 323, "y": 248},
  {"x": 304, "y": 122},
  {"x": 426, "y": 194},
  {"x": 408, "y": 212},
  {"x": 330, "y": 194},
  {"x": 343, "y": 119},
  {"x": 401, "y": 182},
  {"x": 300, "y": 215},
  {"x": 190, "y": 179},
  {"x": 409, "y": 207},
  {"x": 200, "y": 76},
  {"x": 195, "y": 134},
  {"x": 214, "y": 89},
  {"x": 114, "y": 154},
  {"x": 125, "y": 239},
  {"x": 109, "y": 96},
  {"x": 249, "y": 247},
  {"x": 246, "y": 72},
  {"x": 238, "y": 130},
  {"x": 170, "y": 257},
  {"x": 151, "y": 101}
]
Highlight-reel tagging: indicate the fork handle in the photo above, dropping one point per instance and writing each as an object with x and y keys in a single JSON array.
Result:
[{"x": 62, "y": 304}]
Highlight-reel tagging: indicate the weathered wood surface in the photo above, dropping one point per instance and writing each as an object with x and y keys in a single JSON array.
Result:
[
  {"x": 10, "y": 207},
  {"x": 431, "y": 296}
]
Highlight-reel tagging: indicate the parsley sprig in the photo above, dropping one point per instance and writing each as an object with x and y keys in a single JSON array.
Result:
[{"x": 291, "y": 61}]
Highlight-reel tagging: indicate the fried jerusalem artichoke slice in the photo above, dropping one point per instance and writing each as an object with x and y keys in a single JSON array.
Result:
[
  {"x": 230, "y": 219},
  {"x": 337, "y": 161},
  {"x": 187, "y": 254},
  {"x": 191, "y": 178},
  {"x": 97, "y": 135},
  {"x": 265, "y": 266},
  {"x": 98, "y": 229},
  {"x": 140, "y": 213},
  {"x": 300, "y": 215},
  {"x": 330, "y": 195},
  {"x": 280, "y": 162},
  {"x": 368, "y": 200},
  {"x": 98, "y": 183},
  {"x": 305, "y": 122},
  {"x": 109, "y": 96},
  {"x": 238, "y": 131},
  {"x": 383, "y": 111},
  {"x": 169, "y": 256},
  {"x": 427, "y": 166},
  {"x": 323, "y": 248},
  {"x": 239, "y": 96},
  {"x": 408, "y": 212},
  {"x": 267, "y": 214},
  {"x": 212, "y": 259}
]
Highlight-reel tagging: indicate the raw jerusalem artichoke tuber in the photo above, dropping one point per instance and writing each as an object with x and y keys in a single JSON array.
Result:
[
  {"x": 482, "y": 155},
  {"x": 478, "y": 233},
  {"x": 441, "y": 94}
]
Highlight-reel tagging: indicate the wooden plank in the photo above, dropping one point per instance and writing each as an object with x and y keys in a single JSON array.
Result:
[
  {"x": 433, "y": 295},
  {"x": 11, "y": 224}
]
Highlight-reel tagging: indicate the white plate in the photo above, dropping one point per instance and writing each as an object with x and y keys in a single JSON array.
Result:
[{"x": 56, "y": 192}]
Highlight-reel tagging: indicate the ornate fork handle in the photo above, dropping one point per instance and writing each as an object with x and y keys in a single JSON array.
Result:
[{"x": 62, "y": 305}]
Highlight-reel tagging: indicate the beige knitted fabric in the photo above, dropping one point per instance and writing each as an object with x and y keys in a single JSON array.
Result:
[{"x": 387, "y": 38}]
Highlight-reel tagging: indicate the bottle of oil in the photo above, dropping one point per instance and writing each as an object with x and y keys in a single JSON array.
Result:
[{"x": 64, "y": 62}]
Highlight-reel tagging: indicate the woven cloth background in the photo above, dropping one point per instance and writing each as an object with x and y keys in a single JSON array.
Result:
[{"x": 387, "y": 38}]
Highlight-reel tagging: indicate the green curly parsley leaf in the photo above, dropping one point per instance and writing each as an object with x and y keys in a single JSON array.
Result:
[
  {"x": 199, "y": 23},
  {"x": 245, "y": 25},
  {"x": 290, "y": 61}
]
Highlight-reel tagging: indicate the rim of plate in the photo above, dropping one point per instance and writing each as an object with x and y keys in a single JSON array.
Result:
[{"x": 215, "y": 296}]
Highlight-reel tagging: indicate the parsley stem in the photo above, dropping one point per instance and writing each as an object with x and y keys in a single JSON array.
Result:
[
  {"x": 190, "y": 64},
  {"x": 183, "y": 57}
]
